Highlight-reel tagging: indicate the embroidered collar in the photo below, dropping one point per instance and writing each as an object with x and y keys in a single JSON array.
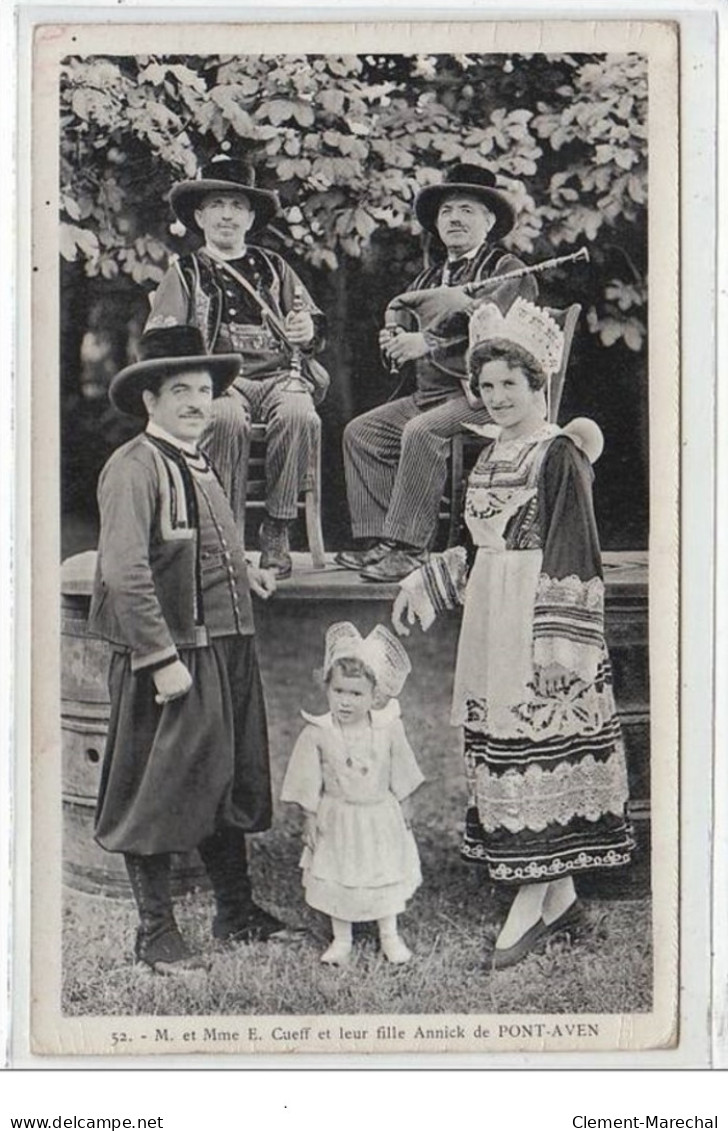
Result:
[
  {"x": 454, "y": 264},
  {"x": 153, "y": 429},
  {"x": 186, "y": 455},
  {"x": 545, "y": 431},
  {"x": 220, "y": 255},
  {"x": 379, "y": 719},
  {"x": 466, "y": 255}
]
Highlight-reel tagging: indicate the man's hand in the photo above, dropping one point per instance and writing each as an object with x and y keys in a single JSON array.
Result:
[
  {"x": 402, "y": 608},
  {"x": 553, "y": 679},
  {"x": 387, "y": 336},
  {"x": 405, "y": 346},
  {"x": 299, "y": 327},
  {"x": 262, "y": 582},
  {"x": 172, "y": 682}
]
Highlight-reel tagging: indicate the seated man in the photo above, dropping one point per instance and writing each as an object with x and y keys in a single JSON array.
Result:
[
  {"x": 395, "y": 456},
  {"x": 250, "y": 301},
  {"x": 186, "y": 762}
]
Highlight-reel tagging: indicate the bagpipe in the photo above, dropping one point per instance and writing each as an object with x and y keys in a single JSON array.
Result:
[{"x": 435, "y": 305}]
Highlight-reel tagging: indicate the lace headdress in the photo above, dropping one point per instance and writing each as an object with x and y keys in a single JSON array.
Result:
[
  {"x": 380, "y": 651},
  {"x": 526, "y": 325}
]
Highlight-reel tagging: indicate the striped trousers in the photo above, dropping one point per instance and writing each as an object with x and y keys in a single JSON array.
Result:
[
  {"x": 395, "y": 460},
  {"x": 291, "y": 427}
]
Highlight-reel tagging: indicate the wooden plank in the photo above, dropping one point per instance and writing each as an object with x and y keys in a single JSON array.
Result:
[{"x": 625, "y": 575}]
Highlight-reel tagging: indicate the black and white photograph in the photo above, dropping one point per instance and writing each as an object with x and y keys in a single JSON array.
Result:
[{"x": 360, "y": 636}]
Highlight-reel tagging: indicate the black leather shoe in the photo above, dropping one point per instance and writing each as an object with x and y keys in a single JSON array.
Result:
[
  {"x": 571, "y": 921},
  {"x": 253, "y": 925},
  {"x": 395, "y": 565},
  {"x": 503, "y": 957},
  {"x": 358, "y": 559},
  {"x": 274, "y": 549},
  {"x": 167, "y": 953},
  {"x": 159, "y": 944}
]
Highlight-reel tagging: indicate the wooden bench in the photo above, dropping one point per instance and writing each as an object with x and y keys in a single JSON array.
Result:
[{"x": 311, "y": 500}]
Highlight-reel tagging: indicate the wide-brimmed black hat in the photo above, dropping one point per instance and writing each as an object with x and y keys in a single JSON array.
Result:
[
  {"x": 168, "y": 351},
  {"x": 223, "y": 174},
  {"x": 475, "y": 180}
]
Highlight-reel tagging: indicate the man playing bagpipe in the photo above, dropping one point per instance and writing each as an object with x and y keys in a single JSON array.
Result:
[{"x": 395, "y": 455}]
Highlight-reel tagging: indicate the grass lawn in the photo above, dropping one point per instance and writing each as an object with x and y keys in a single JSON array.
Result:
[{"x": 450, "y": 924}]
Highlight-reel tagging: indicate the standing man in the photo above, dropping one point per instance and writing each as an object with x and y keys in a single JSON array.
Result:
[
  {"x": 395, "y": 456},
  {"x": 186, "y": 761},
  {"x": 247, "y": 300}
]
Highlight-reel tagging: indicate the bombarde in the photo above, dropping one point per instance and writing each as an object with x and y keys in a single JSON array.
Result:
[{"x": 429, "y": 306}]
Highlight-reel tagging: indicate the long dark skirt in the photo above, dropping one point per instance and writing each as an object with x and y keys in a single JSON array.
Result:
[
  {"x": 175, "y": 774},
  {"x": 582, "y": 784}
]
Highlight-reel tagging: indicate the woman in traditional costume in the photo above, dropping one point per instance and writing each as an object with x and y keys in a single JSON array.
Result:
[{"x": 544, "y": 759}]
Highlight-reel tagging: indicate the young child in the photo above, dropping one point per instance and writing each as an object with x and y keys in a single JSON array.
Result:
[{"x": 349, "y": 771}]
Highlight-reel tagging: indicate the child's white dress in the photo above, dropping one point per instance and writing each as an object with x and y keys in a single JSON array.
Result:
[{"x": 364, "y": 864}]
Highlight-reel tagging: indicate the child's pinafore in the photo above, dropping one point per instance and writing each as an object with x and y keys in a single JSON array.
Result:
[{"x": 364, "y": 864}]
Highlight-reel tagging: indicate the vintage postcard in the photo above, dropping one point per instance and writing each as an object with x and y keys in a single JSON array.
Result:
[{"x": 355, "y": 394}]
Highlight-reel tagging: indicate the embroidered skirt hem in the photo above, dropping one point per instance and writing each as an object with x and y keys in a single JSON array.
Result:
[{"x": 539, "y": 811}]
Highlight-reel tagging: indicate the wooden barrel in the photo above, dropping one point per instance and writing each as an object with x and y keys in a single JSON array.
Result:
[{"x": 84, "y": 726}]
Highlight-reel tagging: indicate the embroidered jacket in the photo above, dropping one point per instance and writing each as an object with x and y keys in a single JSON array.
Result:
[
  {"x": 171, "y": 572},
  {"x": 197, "y": 291}
]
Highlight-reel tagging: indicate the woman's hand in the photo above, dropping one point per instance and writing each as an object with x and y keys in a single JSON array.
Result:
[
  {"x": 298, "y": 325},
  {"x": 262, "y": 582},
  {"x": 172, "y": 682},
  {"x": 402, "y": 608},
  {"x": 554, "y": 679},
  {"x": 405, "y": 346},
  {"x": 309, "y": 831}
]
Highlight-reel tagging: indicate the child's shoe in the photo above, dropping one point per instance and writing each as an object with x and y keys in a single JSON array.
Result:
[
  {"x": 395, "y": 950},
  {"x": 338, "y": 954}
]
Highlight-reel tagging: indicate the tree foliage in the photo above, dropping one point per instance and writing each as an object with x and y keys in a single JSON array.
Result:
[{"x": 349, "y": 140}]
